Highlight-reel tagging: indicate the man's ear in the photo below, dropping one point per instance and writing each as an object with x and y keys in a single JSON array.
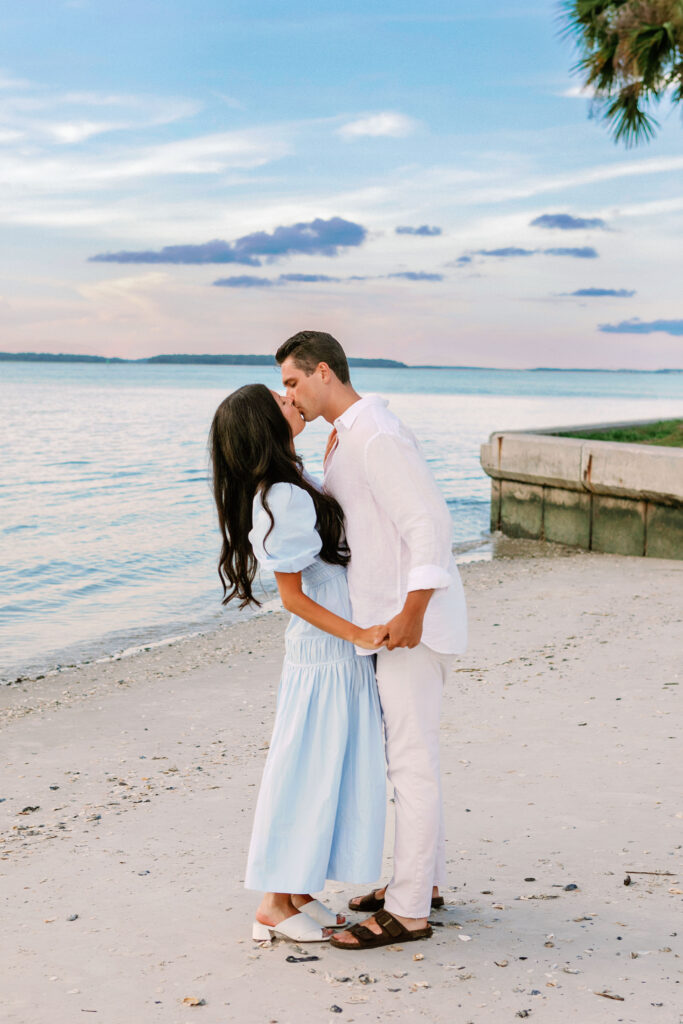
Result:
[{"x": 325, "y": 372}]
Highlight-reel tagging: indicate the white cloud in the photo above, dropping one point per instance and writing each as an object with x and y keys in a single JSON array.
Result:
[
  {"x": 586, "y": 176},
  {"x": 121, "y": 299},
  {"x": 589, "y": 92},
  {"x": 7, "y": 82},
  {"x": 647, "y": 209},
  {"x": 386, "y": 124},
  {"x": 204, "y": 154},
  {"x": 67, "y": 118},
  {"x": 78, "y": 131},
  {"x": 131, "y": 286},
  {"x": 579, "y": 92},
  {"x": 102, "y": 99}
]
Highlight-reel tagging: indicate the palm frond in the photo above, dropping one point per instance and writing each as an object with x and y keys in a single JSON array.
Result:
[
  {"x": 651, "y": 48},
  {"x": 630, "y": 53},
  {"x": 628, "y": 122}
]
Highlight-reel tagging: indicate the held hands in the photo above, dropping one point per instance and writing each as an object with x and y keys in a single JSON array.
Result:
[
  {"x": 404, "y": 630},
  {"x": 372, "y": 638}
]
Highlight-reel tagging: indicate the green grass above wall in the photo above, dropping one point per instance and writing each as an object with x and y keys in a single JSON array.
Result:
[{"x": 665, "y": 432}]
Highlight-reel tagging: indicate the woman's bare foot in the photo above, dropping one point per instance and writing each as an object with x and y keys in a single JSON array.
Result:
[
  {"x": 275, "y": 907},
  {"x": 379, "y": 894},
  {"x": 299, "y": 900}
]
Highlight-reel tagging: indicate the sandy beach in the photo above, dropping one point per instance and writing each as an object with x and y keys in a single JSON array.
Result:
[{"x": 128, "y": 787}]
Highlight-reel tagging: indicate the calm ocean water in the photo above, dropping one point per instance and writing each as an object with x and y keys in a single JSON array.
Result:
[{"x": 107, "y": 530}]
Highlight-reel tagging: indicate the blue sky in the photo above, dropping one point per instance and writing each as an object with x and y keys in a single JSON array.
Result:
[{"x": 297, "y": 139}]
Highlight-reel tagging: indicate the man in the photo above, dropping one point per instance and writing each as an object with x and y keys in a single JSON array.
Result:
[{"x": 401, "y": 572}]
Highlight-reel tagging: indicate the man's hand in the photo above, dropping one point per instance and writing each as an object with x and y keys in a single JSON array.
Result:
[{"x": 405, "y": 629}]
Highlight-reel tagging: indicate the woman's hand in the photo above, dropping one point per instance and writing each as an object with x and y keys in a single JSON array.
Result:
[{"x": 371, "y": 638}]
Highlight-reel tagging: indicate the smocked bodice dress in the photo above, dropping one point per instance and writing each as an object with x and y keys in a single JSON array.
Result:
[{"x": 320, "y": 809}]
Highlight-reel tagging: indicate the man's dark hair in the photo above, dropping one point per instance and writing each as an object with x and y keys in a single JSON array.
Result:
[{"x": 308, "y": 348}]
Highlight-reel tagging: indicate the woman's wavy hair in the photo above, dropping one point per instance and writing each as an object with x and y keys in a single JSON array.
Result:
[{"x": 251, "y": 449}]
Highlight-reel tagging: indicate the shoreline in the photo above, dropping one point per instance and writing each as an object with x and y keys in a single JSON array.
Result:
[
  {"x": 129, "y": 788},
  {"x": 58, "y": 662}
]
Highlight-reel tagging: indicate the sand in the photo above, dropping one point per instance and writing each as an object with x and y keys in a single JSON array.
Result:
[{"x": 121, "y": 889}]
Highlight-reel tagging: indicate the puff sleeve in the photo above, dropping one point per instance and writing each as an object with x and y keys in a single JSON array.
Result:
[{"x": 293, "y": 542}]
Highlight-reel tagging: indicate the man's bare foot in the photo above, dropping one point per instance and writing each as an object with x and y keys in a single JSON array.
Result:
[
  {"x": 379, "y": 895},
  {"x": 409, "y": 923},
  {"x": 299, "y": 900}
]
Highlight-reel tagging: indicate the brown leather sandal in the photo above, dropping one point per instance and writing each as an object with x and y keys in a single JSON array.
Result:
[
  {"x": 392, "y": 931},
  {"x": 371, "y": 902}
]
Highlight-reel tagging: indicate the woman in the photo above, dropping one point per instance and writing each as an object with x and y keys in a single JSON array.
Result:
[{"x": 320, "y": 810}]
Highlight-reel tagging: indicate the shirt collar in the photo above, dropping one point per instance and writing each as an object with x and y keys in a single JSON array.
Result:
[{"x": 348, "y": 418}]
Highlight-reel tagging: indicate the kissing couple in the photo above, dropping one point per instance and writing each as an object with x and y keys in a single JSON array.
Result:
[{"x": 364, "y": 564}]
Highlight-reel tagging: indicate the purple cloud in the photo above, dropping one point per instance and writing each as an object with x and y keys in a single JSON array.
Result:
[
  {"x": 247, "y": 281},
  {"x": 565, "y": 222},
  {"x": 323, "y": 237},
  {"x": 216, "y": 251},
  {"x": 506, "y": 252},
  {"x": 424, "y": 230},
  {"x": 320, "y": 237},
  {"x": 512, "y": 251},
  {"x": 636, "y": 326},
  {"x": 307, "y": 278},
  {"x": 617, "y": 293},
  {"x": 417, "y": 275},
  {"x": 585, "y": 252},
  {"x": 244, "y": 281}
]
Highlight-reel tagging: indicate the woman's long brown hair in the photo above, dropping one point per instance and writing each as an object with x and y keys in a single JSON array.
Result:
[{"x": 251, "y": 448}]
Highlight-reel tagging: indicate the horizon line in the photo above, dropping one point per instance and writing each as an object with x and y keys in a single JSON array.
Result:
[{"x": 382, "y": 362}]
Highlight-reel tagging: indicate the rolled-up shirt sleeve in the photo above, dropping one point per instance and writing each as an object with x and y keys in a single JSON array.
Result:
[{"x": 402, "y": 484}]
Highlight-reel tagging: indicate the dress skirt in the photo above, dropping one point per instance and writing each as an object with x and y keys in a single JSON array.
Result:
[{"x": 321, "y": 806}]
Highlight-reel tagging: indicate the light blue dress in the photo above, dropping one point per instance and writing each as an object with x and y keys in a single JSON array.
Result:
[{"x": 320, "y": 809}]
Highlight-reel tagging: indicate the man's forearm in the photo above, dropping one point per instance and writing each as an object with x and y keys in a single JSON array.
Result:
[{"x": 416, "y": 602}]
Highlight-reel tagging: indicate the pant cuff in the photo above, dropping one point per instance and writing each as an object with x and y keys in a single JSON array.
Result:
[{"x": 404, "y": 910}]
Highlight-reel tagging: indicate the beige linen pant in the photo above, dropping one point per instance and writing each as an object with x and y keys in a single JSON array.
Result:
[{"x": 410, "y": 685}]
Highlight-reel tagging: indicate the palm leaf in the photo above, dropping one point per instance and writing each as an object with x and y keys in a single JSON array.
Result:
[{"x": 630, "y": 53}]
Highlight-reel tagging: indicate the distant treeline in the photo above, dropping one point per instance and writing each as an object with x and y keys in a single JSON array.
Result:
[
  {"x": 259, "y": 360},
  {"x": 62, "y": 357},
  {"x": 207, "y": 360}
]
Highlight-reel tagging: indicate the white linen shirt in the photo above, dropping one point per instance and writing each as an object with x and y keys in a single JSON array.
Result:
[{"x": 398, "y": 527}]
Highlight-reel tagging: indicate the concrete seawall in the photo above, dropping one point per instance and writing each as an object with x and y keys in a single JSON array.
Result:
[{"x": 600, "y": 495}]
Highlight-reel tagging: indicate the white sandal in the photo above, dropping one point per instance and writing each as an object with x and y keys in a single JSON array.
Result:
[
  {"x": 322, "y": 914},
  {"x": 298, "y": 927}
]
